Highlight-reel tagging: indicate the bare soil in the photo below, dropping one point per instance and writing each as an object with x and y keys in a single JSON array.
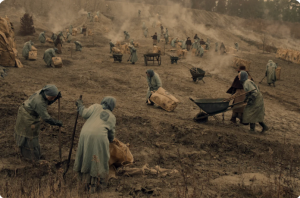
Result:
[{"x": 214, "y": 159}]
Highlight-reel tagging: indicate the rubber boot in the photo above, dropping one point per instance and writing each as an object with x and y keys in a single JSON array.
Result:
[
  {"x": 233, "y": 118},
  {"x": 264, "y": 126},
  {"x": 252, "y": 127},
  {"x": 103, "y": 183}
]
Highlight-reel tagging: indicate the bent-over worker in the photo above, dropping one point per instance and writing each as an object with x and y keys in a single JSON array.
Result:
[
  {"x": 271, "y": 72},
  {"x": 48, "y": 55},
  {"x": 27, "y": 49},
  {"x": 222, "y": 48},
  {"x": 69, "y": 38},
  {"x": 166, "y": 35},
  {"x": 254, "y": 111},
  {"x": 58, "y": 44},
  {"x": 92, "y": 156},
  {"x": 127, "y": 36},
  {"x": 42, "y": 37},
  {"x": 173, "y": 42},
  {"x": 28, "y": 122},
  {"x": 54, "y": 37},
  {"x": 154, "y": 82},
  {"x": 146, "y": 32},
  {"x": 78, "y": 45},
  {"x": 133, "y": 55}
]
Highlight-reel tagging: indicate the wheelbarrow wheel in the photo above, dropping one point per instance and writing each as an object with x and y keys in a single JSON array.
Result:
[{"x": 201, "y": 117}]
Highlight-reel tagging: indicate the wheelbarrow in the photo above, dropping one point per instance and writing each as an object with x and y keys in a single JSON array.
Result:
[
  {"x": 197, "y": 74},
  {"x": 174, "y": 59},
  {"x": 117, "y": 57},
  {"x": 211, "y": 107}
]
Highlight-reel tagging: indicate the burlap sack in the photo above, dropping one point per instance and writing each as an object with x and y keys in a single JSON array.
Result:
[
  {"x": 136, "y": 44},
  {"x": 116, "y": 50},
  {"x": 163, "y": 99},
  {"x": 119, "y": 153},
  {"x": 96, "y": 19},
  {"x": 4, "y": 26},
  {"x": 281, "y": 53},
  {"x": 125, "y": 49},
  {"x": 237, "y": 62},
  {"x": 15, "y": 52},
  {"x": 32, "y": 55},
  {"x": 49, "y": 40},
  {"x": 90, "y": 33},
  {"x": 57, "y": 62},
  {"x": 278, "y": 72},
  {"x": 289, "y": 55},
  {"x": 18, "y": 63},
  {"x": 156, "y": 49},
  {"x": 33, "y": 48},
  {"x": 74, "y": 30}
]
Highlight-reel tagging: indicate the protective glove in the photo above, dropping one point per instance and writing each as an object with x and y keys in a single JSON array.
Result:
[
  {"x": 79, "y": 103},
  {"x": 58, "y": 95}
]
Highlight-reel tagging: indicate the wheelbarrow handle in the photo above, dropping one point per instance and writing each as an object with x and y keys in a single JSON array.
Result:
[
  {"x": 192, "y": 99},
  {"x": 238, "y": 95},
  {"x": 236, "y": 104}
]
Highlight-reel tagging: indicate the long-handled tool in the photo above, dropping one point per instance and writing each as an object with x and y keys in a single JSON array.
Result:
[
  {"x": 262, "y": 80},
  {"x": 59, "y": 132},
  {"x": 228, "y": 99},
  {"x": 71, "y": 147}
]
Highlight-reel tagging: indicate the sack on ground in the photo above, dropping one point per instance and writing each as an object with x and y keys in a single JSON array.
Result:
[
  {"x": 57, "y": 62},
  {"x": 32, "y": 55},
  {"x": 164, "y": 99},
  {"x": 119, "y": 153}
]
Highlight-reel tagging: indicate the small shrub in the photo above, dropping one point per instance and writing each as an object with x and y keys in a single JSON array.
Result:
[{"x": 27, "y": 27}]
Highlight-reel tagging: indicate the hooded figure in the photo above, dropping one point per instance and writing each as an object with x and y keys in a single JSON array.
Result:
[
  {"x": 42, "y": 37},
  {"x": 27, "y": 49},
  {"x": 78, "y": 46},
  {"x": 222, "y": 48},
  {"x": 111, "y": 45},
  {"x": 254, "y": 111},
  {"x": 154, "y": 83},
  {"x": 158, "y": 37},
  {"x": 92, "y": 156},
  {"x": 144, "y": 26},
  {"x": 58, "y": 44},
  {"x": 71, "y": 29},
  {"x": 69, "y": 37},
  {"x": 48, "y": 55},
  {"x": 271, "y": 72},
  {"x": 28, "y": 122},
  {"x": 133, "y": 55},
  {"x": 173, "y": 42},
  {"x": 200, "y": 50},
  {"x": 236, "y": 45},
  {"x": 146, "y": 32},
  {"x": 127, "y": 36},
  {"x": 54, "y": 37},
  {"x": 166, "y": 37},
  {"x": 167, "y": 31},
  {"x": 88, "y": 15},
  {"x": 237, "y": 89},
  {"x": 217, "y": 47},
  {"x": 183, "y": 44}
]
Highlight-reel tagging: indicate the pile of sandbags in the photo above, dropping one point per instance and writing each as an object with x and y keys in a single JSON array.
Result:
[
  {"x": 278, "y": 72},
  {"x": 163, "y": 99},
  {"x": 74, "y": 31},
  {"x": 118, "y": 44},
  {"x": 115, "y": 50},
  {"x": 125, "y": 49},
  {"x": 7, "y": 44},
  {"x": 181, "y": 53},
  {"x": 156, "y": 49},
  {"x": 288, "y": 55},
  {"x": 57, "y": 62},
  {"x": 178, "y": 45},
  {"x": 237, "y": 62},
  {"x": 136, "y": 44},
  {"x": 32, "y": 54}
]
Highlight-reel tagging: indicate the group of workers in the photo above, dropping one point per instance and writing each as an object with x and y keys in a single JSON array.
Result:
[{"x": 57, "y": 40}]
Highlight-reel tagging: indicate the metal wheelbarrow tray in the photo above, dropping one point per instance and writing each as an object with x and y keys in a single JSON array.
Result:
[
  {"x": 197, "y": 74},
  {"x": 211, "y": 107},
  {"x": 174, "y": 59},
  {"x": 118, "y": 57}
]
